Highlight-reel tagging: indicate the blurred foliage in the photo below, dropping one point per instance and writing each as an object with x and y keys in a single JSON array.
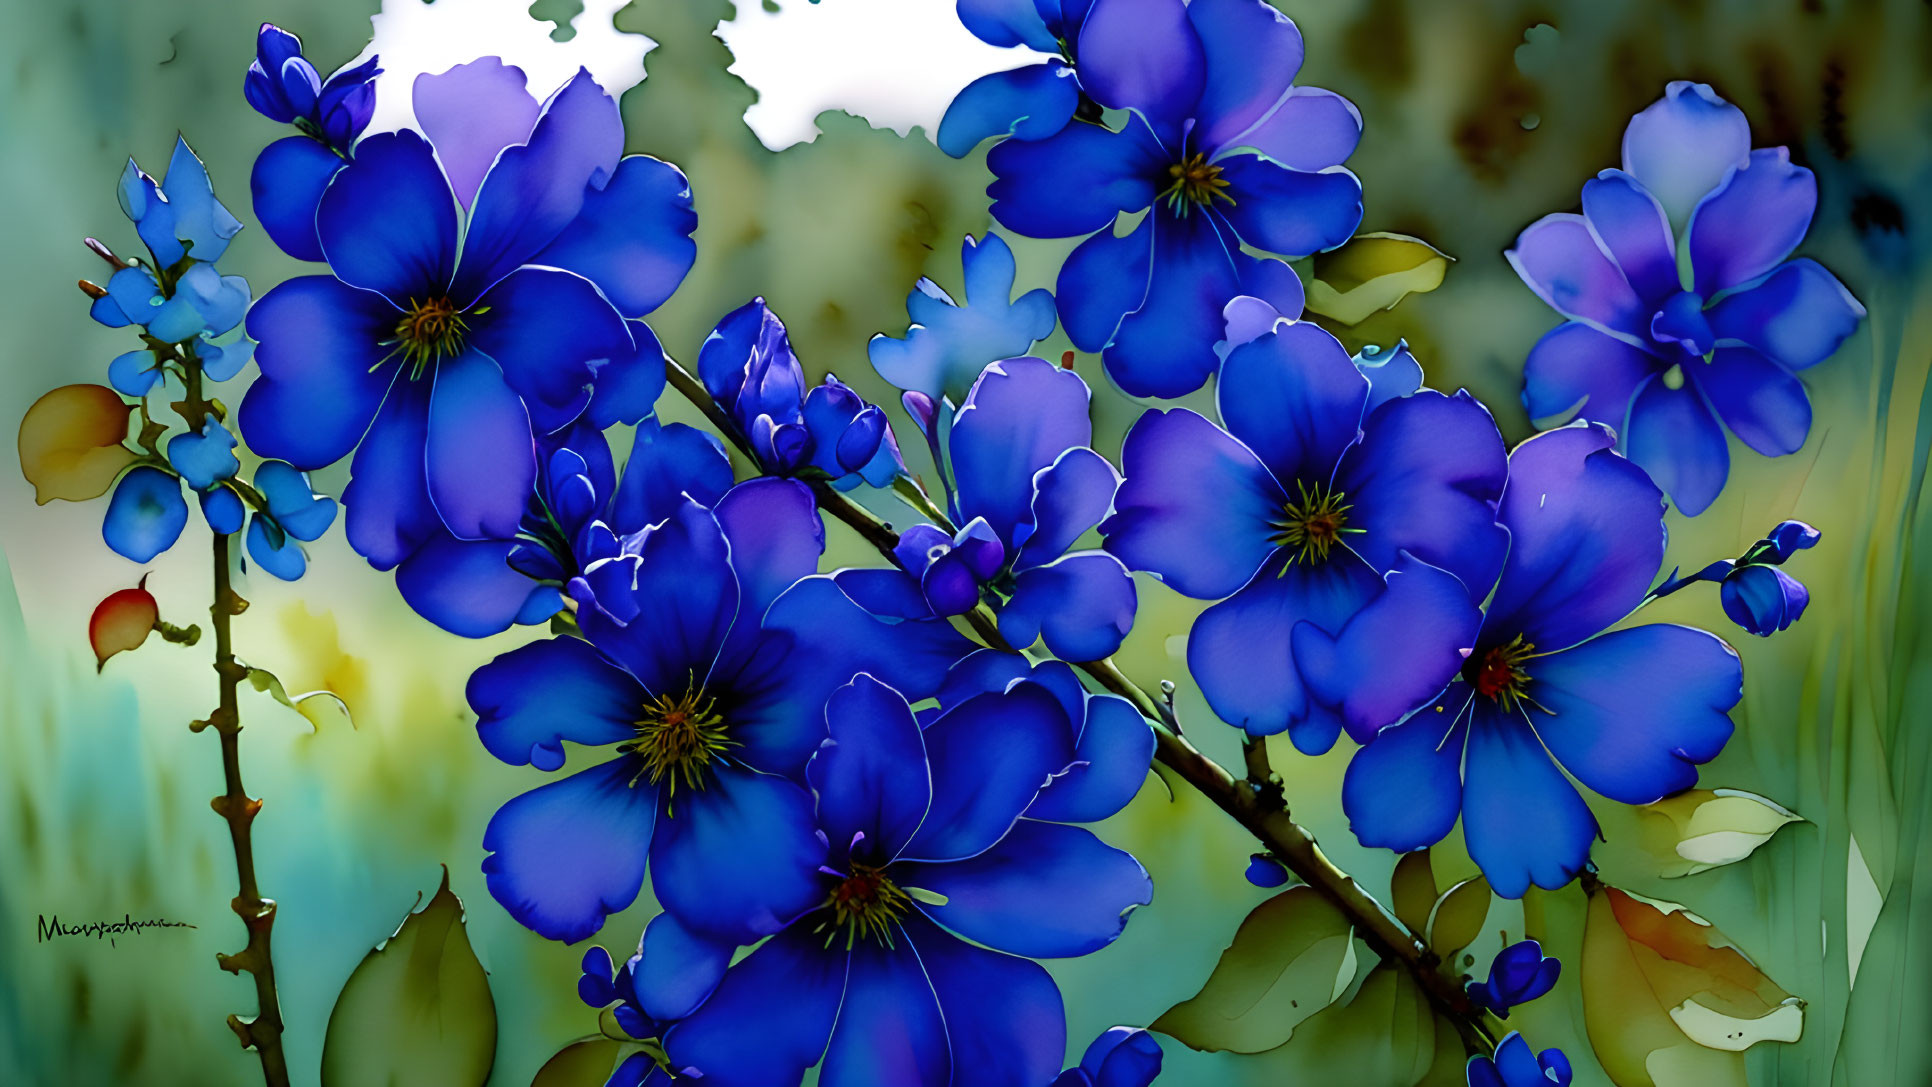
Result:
[{"x": 1481, "y": 116}]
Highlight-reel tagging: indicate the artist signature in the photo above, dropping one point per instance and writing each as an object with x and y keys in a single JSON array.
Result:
[{"x": 48, "y": 928}]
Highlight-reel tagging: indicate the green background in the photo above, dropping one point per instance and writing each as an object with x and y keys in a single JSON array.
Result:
[{"x": 1481, "y": 116}]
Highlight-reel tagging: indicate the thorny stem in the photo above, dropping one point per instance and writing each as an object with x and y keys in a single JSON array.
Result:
[{"x": 1257, "y": 803}]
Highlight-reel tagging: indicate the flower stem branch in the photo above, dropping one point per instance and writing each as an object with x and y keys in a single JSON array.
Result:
[{"x": 1257, "y": 803}]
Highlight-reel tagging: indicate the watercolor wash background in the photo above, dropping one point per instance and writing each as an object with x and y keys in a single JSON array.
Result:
[{"x": 1480, "y": 115}]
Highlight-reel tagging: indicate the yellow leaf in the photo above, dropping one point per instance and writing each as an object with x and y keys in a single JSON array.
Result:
[
  {"x": 1413, "y": 890},
  {"x": 1373, "y": 272},
  {"x": 70, "y": 443},
  {"x": 1702, "y": 829},
  {"x": 1459, "y": 917}
]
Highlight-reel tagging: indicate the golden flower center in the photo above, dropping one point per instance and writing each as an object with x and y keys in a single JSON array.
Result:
[
  {"x": 1195, "y": 180},
  {"x": 431, "y": 330},
  {"x": 1312, "y": 524},
  {"x": 865, "y": 905},
  {"x": 678, "y": 737},
  {"x": 1497, "y": 673}
]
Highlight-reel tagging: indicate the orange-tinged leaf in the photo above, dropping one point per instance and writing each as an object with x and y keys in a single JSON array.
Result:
[
  {"x": 70, "y": 442},
  {"x": 121, "y": 622}
]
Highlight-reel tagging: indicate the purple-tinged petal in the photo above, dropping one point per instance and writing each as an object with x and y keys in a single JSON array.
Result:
[
  {"x": 1239, "y": 649},
  {"x": 1045, "y": 891},
  {"x": 1681, "y": 146},
  {"x": 1021, "y": 415},
  {"x": 1392, "y": 373},
  {"x": 467, "y": 587},
  {"x": 530, "y": 700},
  {"x": 1676, "y": 439},
  {"x": 1632, "y": 713},
  {"x": 388, "y": 512},
  {"x": 837, "y": 638},
  {"x": 549, "y": 330},
  {"x": 1558, "y": 258},
  {"x": 1195, "y": 507},
  {"x": 1586, "y": 538},
  {"x": 1759, "y": 400},
  {"x": 1630, "y": 225},
  {"x": 666, "y": 463},
  {"x": 322, "y": 374},
  {"x": 1004, "y": 1019},
  {"x": 1166, "y": 347},
  {"x": 1508, "y": 773},
  {"x": 990, "y": 756},
  {"x": 1072, "y": 182},
  {"x": 1752, "y": 221},
  {"x": 1251, "y": 54},
  {"x": 1104, "y": 279},
  {"x": 1798, "y": 315},
  {"x": 665, "y": 613},
  {"x": 890, "y": 1033},
  {"x": 739, "y": 858},
  {"x": 1081, "y": 604},
  {"x": 627, "y": 387},
  {"x": 1069, "y": 497},
  {"x": 1294, "y": 397},
  {"x": 1115, "y": 751},
  {"x": 870, "y": 775},
  {"x": 1142, "y": 55},
  {"x": 287, "y": 183},
  {"x": 1312, "y": 129},
  {"x": 387, "y": 221},
  {"x": 566, "y": 855},
  {"x": 677, "y": 968},
  {"x": 1026, "y": 103},
  {"x": 1403, "y": 790},
  {"x": 776, "y": 538},
  {"x": 1576, "y": 368},
  {"x": 633, "y": 236},
  {"x": 1763, "y": 599},
  {"x": 146, "y": 515},
  {"x": 791, "y": 988},
  {"x": 471, "y": 113},
  {"x": 1292, "y": 212},
  {"x": 481, "y": 459},
  {"x": 1425, "y": 479},
  {"x": 1395, "y": 654}
]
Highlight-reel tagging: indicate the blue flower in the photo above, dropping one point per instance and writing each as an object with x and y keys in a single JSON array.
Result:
[
  {"x": 1221, "y": 147},
  {"x": 1669, "y": 358},
  {"x": 291, "y": 173},
  {"x": 1030, "y": 102},
  {"x": 1120, "y": 1057},
  {"x": 1629, "y": 713},
  {"x": 179, "y": 217},
  {"x": 1264, "y": 871},
  {"x": 293, "y": 512},
  {"x": 601, "y": 986},
  {"x": 1344, "y": 540},
  {"x": 578, "y": 513},
  {"x": 949, "y": 343},
  {"x": 704, "y": 679},
  {"x": 1519, "y": 974},
  {"x": 1026, "y": 484},
  {"x": 206, "y": 458},
  {"x": 146, "y": 515},
  {"x": 928, "y": 850},
  {"x": 829, "y": 432},
  {"x": 1516, "y": 1066},
  {"x": 1756, "y": 594},
  {"x": 446, "y": 347}
]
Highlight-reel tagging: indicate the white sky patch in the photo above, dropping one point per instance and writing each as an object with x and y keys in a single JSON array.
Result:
[
  {"x": 414, "y": 38},
  {"x": 896, "y": 63}
]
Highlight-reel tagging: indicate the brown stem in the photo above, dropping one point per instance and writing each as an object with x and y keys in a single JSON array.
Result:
[{"x": 1258, "y": 803}]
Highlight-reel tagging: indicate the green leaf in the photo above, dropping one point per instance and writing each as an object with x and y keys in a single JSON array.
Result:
[
  {"x": 417, "y": 1010},
  {"x": 1385, "y": 1035},
  {"x": 1291, "y": 957},
  {"x": 586, "y": 1062},
  {"x": 1413, "y": 890},
  {"x": 320, "y": 707},
  {"x": 1373, "y": 272},
  {"x": 1459, "y": 917}
]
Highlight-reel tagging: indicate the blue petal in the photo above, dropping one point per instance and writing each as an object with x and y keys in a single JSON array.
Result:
[
  {"x": 664, "y": 614},
  {"x": 1751, "y": 222},
  {"x": 200, "y": 220},
  {"x": 870, "y": 776},
  {"x": 1576, "y": 368},
  {"x": 1558, "y": 258},
  {"x": 627, "y": 387},
  {"x": 300, "y": 512},
  {"x": 1763, "y": 600},
  {"x": 287, "y": 183},
  {"x": 134, "y": 373},
  {"x": 206, "y": 458},
  {"x": 1027, "y": 103},
  {"x": 534, "y": 190},
  {"x": 1021, "y": 415},
  {"x": 1046, "y": 890},
  {"x": 1798, "y": 315},
  {"x": 776, "y": 538},
  {"x": 146, "y": 514},
  {"x": 1392, "y": 374},
  {"x": 1239, "y": 649},
  {"x": 1586, "y": 538},
  {"x": 1194, "y": 507},
  {"x": 1682, "y": 145},
  {"x": 1165, "y": 347},
  {"x": 1252, "y": 53},
  {"x": 388, "y": 222},
  {"x": 677, "y": 968},
  {"x": 387, "y": 499},
  {"x": 1676, "y": 439},
  {"x": 322, "y": 374},
  {"x": 1759, "y": 400},
  {"x": 1004, "y": 1019},
  {"x": 471, "y": 113},
  {"x": 1396, "y": 653},
  {"x": 890, "y": 1032},
  {"x": 275, "y": 551},
  {"x": 1631, "y": 226},
  {"x": 1116, "y": 749},
  {"x": 1006, "y": 23},
  {"x": 990, "y": 756},
  {"x": 1265, "y": 872},
  {"x": 948, "y": 344},
  {"x": 1636, "y": 710},
  {"x": 1104, "y": 279},
  {"x": 530, "y": 700},
  {"x": 1133, "y": 1059},
  {"x": 218, "y": 301},
  {"x": 1312, "y": 129},
  {"x": 633, "y": 236},
  {"x": 1403, "y": 790},
  {"x": 219, "y": 362},
  {"x": 1291, "y": 212},
  {"x": 1294, "y": 397},
  {"x": 1082, "y": 605},
  {"x": 1507, "y": 773},
  {"x": 549, "y": 330},
  {"x": 1072, "y": 182},
  {"x": 1142, "y": 55},
  {"x": 667, "y": 463},
  {"x": 1069, "y": 497},
  {"x": 481, "y": 459},
  {"x": 223, "y": 510},
  {"x": 739, "y": 858},
  {"x": 568, "y": 854},
  {"x": 467, "y": 587},
  {"x": 790, "y": 988}
]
